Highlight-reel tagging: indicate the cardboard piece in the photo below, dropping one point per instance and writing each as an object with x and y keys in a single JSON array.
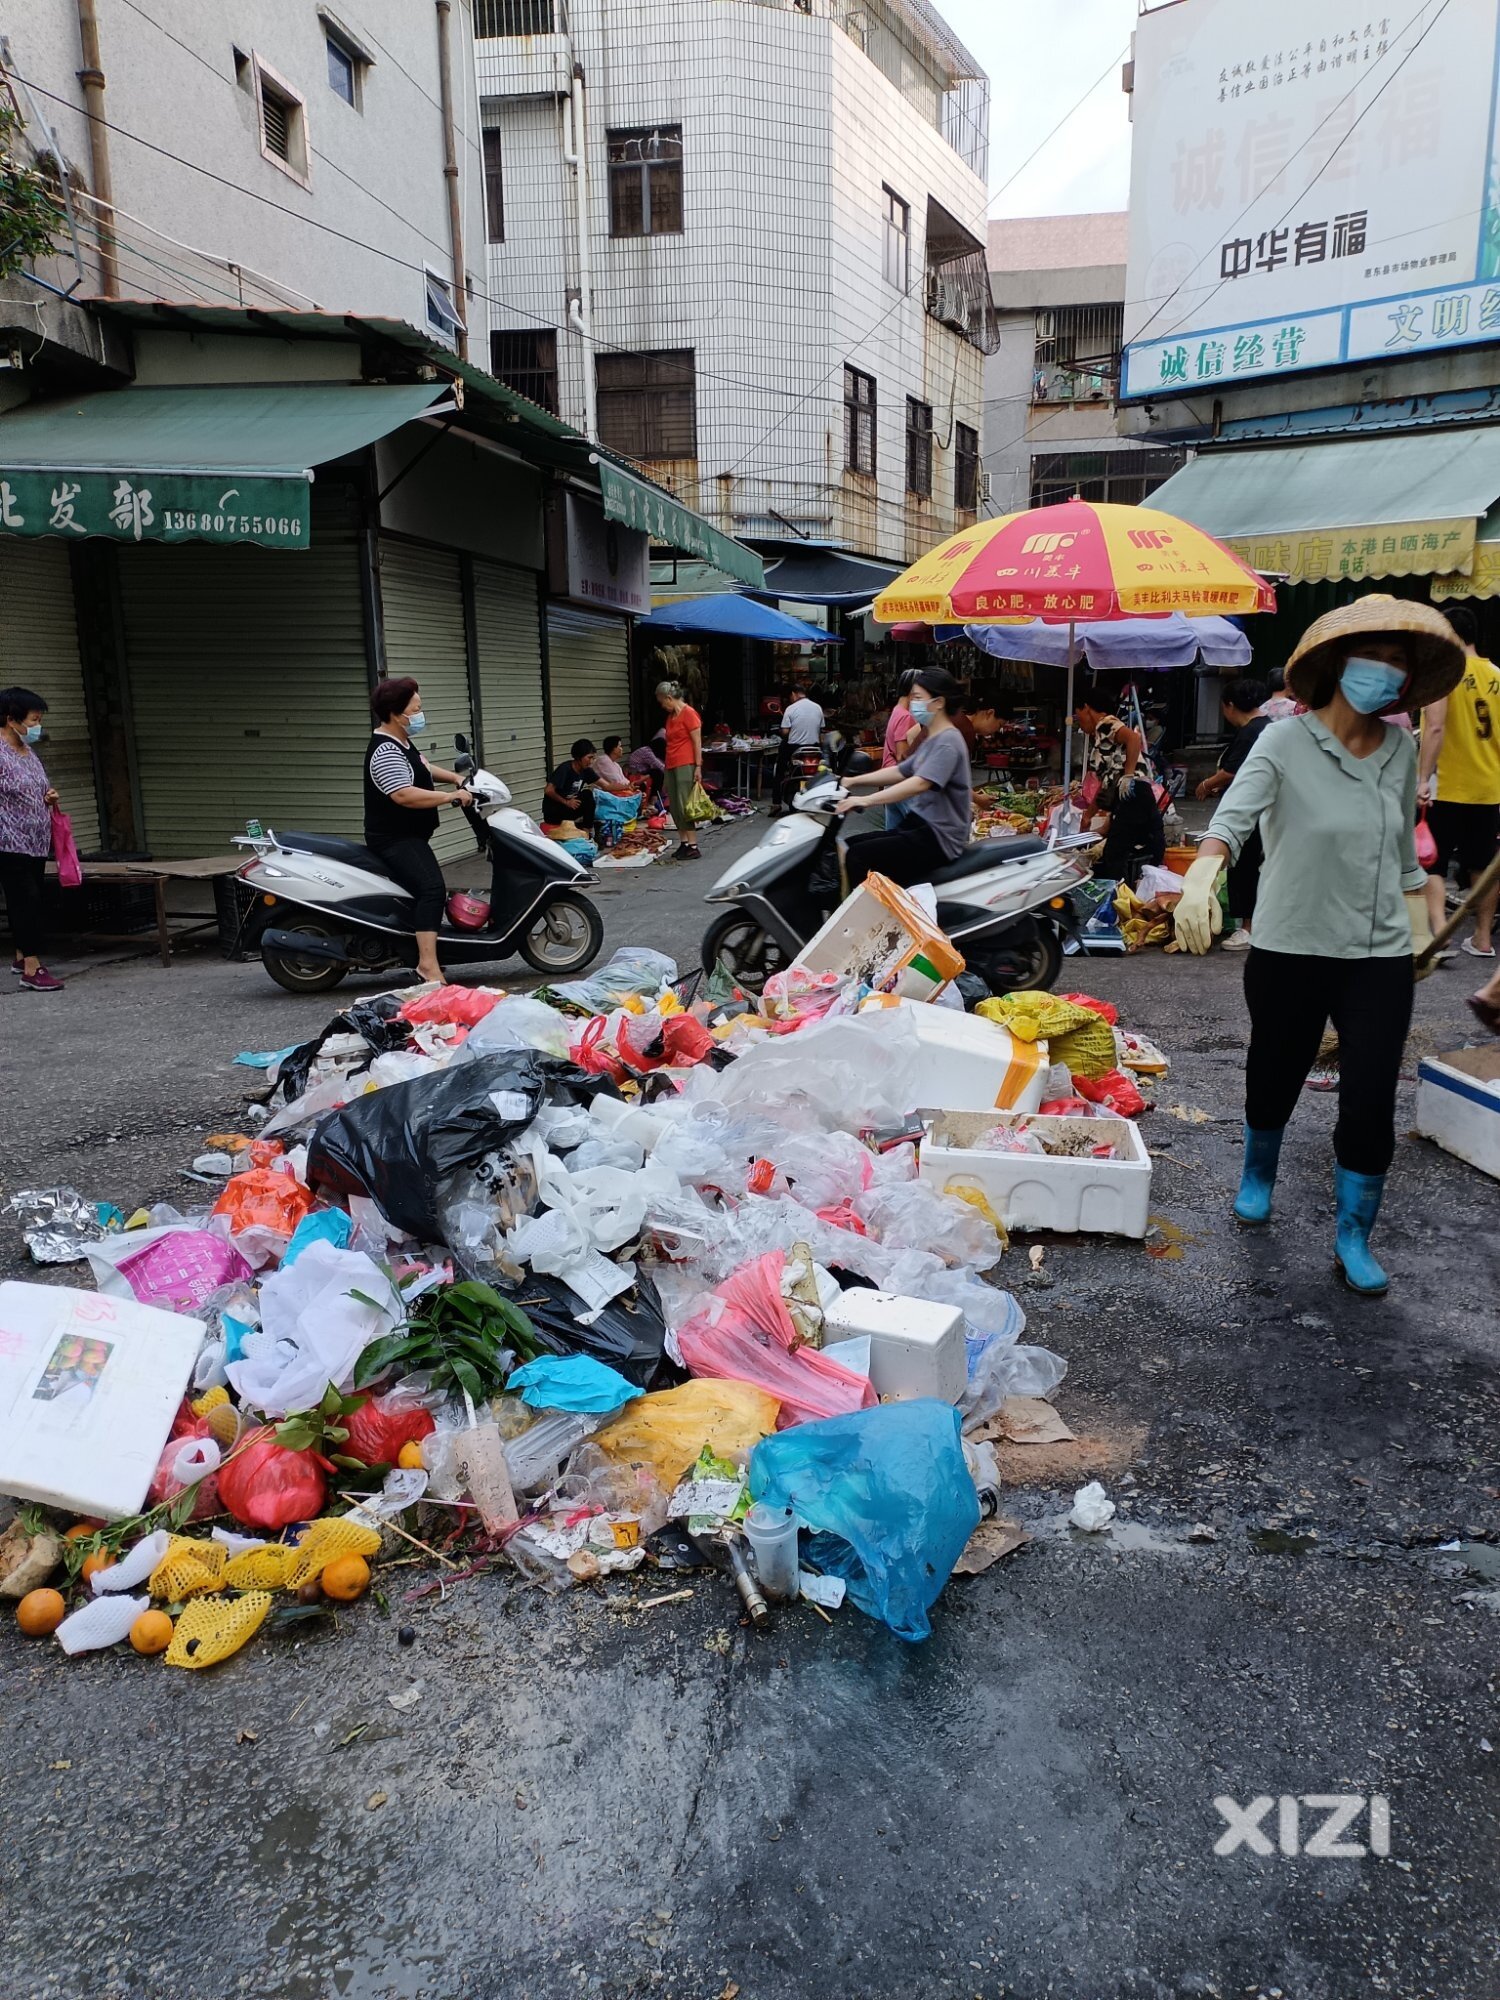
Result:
[
  {"x": 89, "y": 1386},
  {"x": 880, "y": 937}
]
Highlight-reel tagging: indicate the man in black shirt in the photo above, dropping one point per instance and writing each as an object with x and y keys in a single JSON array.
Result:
[
  {"x": 1241, "y": 702},
  {"x": 569, "y": 794}
]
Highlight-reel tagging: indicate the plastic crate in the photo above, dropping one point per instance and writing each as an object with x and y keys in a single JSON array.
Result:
[
  {"x": 234, "y": 901},
  {"x": 113, "y": 909}
]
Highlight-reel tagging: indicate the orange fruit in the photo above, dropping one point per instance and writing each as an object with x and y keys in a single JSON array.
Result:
[
  {"x": 346, "y": 1578},
  {"x": 40, "y": 1612},
  {"x": 82, "y": 1530},
  {"x": 151, "y": 1632},
  {"x": 409, "y": 1458},
  {"x": 94, "y": 1563}
]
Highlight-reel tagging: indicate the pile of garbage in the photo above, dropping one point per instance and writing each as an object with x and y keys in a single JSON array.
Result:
[{"x": 624, "y": 1273}]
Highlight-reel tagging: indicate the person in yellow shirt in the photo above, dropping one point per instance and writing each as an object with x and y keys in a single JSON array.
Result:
[{"x": 1459, "y": 777}]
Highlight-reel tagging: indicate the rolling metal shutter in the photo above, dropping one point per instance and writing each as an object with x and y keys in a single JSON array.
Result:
[
  {"x": 512, "y": 717},
  {"x": 588, "y": 672},
  {"x": 249, "y": 686},
  {"x": 39, "y": 650},
  {"x": 421, "y": 595}
]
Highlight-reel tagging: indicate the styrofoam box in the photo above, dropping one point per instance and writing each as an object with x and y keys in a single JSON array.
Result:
[
  {"x": 1458, "y": 1105},
  {"x": 880, "y": 935},
  {"x": 1039, "y": 1191},
  {"x": 917, "y": 1347},
  {"x": 970, "y": 1064}
]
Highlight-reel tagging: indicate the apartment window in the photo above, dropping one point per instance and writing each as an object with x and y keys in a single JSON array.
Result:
[
  {"x": 495, "y": 18},
  {"x": 897, "y": 241},
  {"x": 1077, "y": 353},
  {"x": 283, "y": 123},
  {"x": 343, "y": 71},
  {"x": 645, "y": 182},
  {"x": 525, "y": 359},
  {"x": 965, "y": 468},
  {"x": 648, "y": 403},
  {"x": 494, "y": 187},
  {"x": 1125, "y": 478},
  {"x": 442, "y": 315},
  {"x": 919, "y": 448},
  {"x": 859, "y": 421}
]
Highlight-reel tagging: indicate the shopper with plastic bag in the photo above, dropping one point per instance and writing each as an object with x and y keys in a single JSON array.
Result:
[{"x": 684, "y": 766}]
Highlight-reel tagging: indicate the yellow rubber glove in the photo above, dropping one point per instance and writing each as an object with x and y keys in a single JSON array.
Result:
[
  {"x": 1198, "y": 919},
  {"x": 1421, "y": 928}
]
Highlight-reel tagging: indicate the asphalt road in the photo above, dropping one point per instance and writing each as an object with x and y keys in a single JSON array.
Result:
[{"x": 596, "y": 1801}]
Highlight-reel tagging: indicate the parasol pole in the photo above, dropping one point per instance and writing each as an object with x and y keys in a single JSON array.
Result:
[{"x": 1067, "y": 732}]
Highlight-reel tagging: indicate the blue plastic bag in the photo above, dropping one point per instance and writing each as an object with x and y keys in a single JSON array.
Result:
[
  {"x": 324, "y": 1225},
  {"x": 888, "y": 1497},
  {"x": 574, "y": 1382}
]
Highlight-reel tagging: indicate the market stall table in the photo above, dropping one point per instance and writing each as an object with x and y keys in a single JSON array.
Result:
[{"x": 156, "y": 875}]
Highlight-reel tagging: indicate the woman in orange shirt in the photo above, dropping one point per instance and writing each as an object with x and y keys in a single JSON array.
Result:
[{"x": 684, "y": 764}]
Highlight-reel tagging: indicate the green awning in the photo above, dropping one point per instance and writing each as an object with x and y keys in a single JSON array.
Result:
[
  {"x": 1348, "y": 508},
  {"x": 221, "y": 463},
  {"x": 634, "y": 504}
]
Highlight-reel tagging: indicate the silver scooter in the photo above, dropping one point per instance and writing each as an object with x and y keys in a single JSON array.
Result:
[
  {"x": 1007, "y": 903},
  {"x": 325, "y": 907}
]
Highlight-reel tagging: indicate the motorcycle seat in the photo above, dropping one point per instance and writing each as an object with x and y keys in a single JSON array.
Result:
[
  {"x": 331, "y": 848},
  {"x": 985, "y": 853}
]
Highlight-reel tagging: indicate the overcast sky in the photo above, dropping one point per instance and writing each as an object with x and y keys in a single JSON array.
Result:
[{"x": 1041, "y": 60}]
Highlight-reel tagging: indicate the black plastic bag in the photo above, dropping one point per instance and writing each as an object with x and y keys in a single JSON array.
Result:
[
  {"x": 403, "y": 1145},
  {"x": 375, "y": 1019},
  {"x": 824, "y": 878},
  {"x": 629, "y": 1334}
]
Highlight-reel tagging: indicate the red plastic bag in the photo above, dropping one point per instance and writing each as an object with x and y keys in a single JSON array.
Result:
[
  {"x": 1100, "y": 1007},
  {"x": 379, "y": 1428},
  {"x": 453, "y": 1006},
  {"x": 755, "y": 1291},
  {"x": 264, "y": 1199},
  {"x": 187, "y": 1430},
  {"x": 266, "y": 1486},
  {"x": 65, "y": 851},
  {"x": 1066, "y": 1107},
  {"x": 843, "y": 1217},
  {"x": 590, "y": 1052},
  {"x": 687, "y": 1041},
  {"x": 1115, "y": 1091},
  {"x": 1427, "y": 847},
  {"x": 807, "y": 1384}
]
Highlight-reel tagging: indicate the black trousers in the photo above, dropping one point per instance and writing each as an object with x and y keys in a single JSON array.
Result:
[
  {"x": 1292, "y": 998},
  {"x": 21, "y": 877},
  {"x": 1136, "y": 835},
  {"x": 908, "y": 855},
  {"x": 1243, "y": 881},
  {"x": 415, "y": 866}
]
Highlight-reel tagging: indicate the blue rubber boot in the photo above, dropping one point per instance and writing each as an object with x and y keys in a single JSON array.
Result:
[
  {"x": 1252, "y": 1205},
  {"x": 1358, "y": 1205}
]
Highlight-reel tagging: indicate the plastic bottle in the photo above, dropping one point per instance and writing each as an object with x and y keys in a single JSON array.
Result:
[{"x": 772, "y": 1535}]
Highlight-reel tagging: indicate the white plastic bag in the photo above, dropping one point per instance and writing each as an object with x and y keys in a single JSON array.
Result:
[
  {"x": 1091, "y": 1510},
  {"x": 914, "y": 1216},
  {"x": 859, "y": 1071},
  {"x": 517, "y": 1022},
  {"x": 314, "y": 1328}
]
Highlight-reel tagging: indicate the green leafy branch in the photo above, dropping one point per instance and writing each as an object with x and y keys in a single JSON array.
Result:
[
  {"x": 463, "y": 1336},
  {"x": 31, "y": 211}
]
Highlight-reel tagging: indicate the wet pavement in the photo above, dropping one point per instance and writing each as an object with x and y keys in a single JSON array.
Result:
[{"x": 1301, "y": 1598}]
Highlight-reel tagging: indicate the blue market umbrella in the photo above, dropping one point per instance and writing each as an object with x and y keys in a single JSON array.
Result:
[
  {"x": 736, "y": 617},
  {"x": 1144, "y": 645}
]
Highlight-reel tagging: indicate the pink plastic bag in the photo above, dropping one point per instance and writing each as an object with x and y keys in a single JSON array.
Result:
[
  {"x": 755, "y": 1290},
  {"x": 65, "y": 851},
  {"x": 807, "y": 1384},
  {"x": 1427, "y": 847},
  {"x": 191, "y": 1437},
  {"x": 180, "y": 1269}
]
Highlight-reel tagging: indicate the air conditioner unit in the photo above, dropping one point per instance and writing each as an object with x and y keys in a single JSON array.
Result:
[{"x": 948, "y": 301}]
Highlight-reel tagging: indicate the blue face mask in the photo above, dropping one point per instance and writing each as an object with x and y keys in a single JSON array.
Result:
[
  {"x": 1370, "y": 685},
  {"x": 919, "y": 711},
  {"x": 33, "y": 732},
  {"x": 416, "y": 722}
]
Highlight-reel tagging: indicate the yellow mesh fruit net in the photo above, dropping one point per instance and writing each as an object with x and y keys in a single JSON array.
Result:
[
  {"x": 211, "y": 1628},
  {"x": 188, "y": 1568},
  {"x": 267, "y": 1568},
  {"x": 211, "y": 1399},
  {"x": 324, "y": 1541}
]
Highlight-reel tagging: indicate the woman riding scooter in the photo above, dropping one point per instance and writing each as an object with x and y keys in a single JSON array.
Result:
[
  {"x": 934, "y": 783},
  {"x": 401, "y": 811}
]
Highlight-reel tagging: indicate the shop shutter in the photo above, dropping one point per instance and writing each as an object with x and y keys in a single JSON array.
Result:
[
  {"x": 512, "y": 718},
  {"x": 422, "y": 604},
  {"x": 39, "y": 650},
  {"x": 249, "y": 685},
  {"x": 588, "y": 673}
]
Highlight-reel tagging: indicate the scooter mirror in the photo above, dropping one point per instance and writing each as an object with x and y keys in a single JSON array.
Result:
[
  {"x": 463, "y": 762},
  {"x": 460, "y": 741}
]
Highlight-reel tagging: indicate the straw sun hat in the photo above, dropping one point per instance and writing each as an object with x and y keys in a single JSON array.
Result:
[{"x": 1437, "y": 659}]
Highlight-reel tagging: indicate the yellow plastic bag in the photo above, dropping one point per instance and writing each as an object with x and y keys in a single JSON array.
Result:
[
  {"x": 699, "y": 806},
  {"x": 668, "y": 1429}
]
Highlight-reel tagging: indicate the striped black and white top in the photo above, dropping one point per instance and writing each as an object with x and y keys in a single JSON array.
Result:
[{"x": 389, "y": 765}]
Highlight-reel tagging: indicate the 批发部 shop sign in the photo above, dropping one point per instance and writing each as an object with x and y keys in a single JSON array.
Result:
[{"x": 1311, "y": 183}]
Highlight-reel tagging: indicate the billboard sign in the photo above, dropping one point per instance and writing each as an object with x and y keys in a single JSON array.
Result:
[{"x": 1311, "y": 183}]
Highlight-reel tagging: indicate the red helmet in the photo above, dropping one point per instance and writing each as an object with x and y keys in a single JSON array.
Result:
[{"x": 467, "y": 912}]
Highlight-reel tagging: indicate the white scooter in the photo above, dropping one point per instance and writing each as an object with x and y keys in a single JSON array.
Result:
[
  {"x": 325, "y": 907},
  {"x": 1007, "y": 903}
]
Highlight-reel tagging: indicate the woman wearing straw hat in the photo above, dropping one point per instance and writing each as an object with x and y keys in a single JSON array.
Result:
[{"x": 1341, "y": 910}]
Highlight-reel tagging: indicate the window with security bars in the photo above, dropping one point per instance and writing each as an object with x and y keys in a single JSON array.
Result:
[
  {"x": 645, "y": 181},
  {"x": 496, "y": 18},
  {"x": 1077, "y": 354},
  {"x": 859, "y": 421},
  {"x": 525, "y": 359},
  {"x": 1125, "y": 478},
  {"x": 919, "y": 448},
  {"x": 965, "y": 468},
  {"x": 648, "y": 403},
  {"x": 494, "y": 187}
]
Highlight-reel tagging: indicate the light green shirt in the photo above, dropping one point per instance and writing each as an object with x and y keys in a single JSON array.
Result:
[{"x": 1340, "y": 840}]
